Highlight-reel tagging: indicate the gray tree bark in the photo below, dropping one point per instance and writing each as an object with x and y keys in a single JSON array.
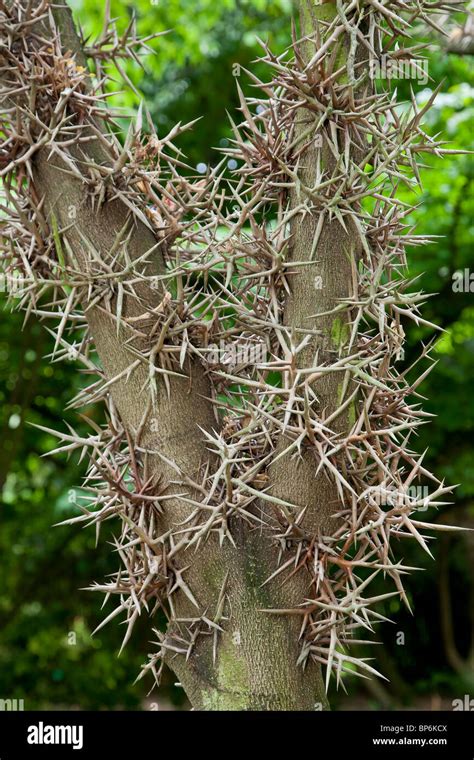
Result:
[{"x": 255, "y": 668}]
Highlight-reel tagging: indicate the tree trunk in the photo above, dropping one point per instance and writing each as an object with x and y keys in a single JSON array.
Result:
[{"x": 255, "y": 664}]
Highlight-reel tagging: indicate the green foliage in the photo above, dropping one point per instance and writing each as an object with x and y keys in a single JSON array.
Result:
[{"x": 193, "y": 68}]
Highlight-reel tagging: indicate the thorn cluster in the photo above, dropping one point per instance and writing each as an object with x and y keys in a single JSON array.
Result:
[{"x": 228, "y": 272}]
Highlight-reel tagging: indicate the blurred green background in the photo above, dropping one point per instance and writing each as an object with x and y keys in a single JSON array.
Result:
[{"x": 48, "y": 657}]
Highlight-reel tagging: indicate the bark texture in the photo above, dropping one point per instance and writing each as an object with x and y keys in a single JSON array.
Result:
[{"x": 255, "y": 667}]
